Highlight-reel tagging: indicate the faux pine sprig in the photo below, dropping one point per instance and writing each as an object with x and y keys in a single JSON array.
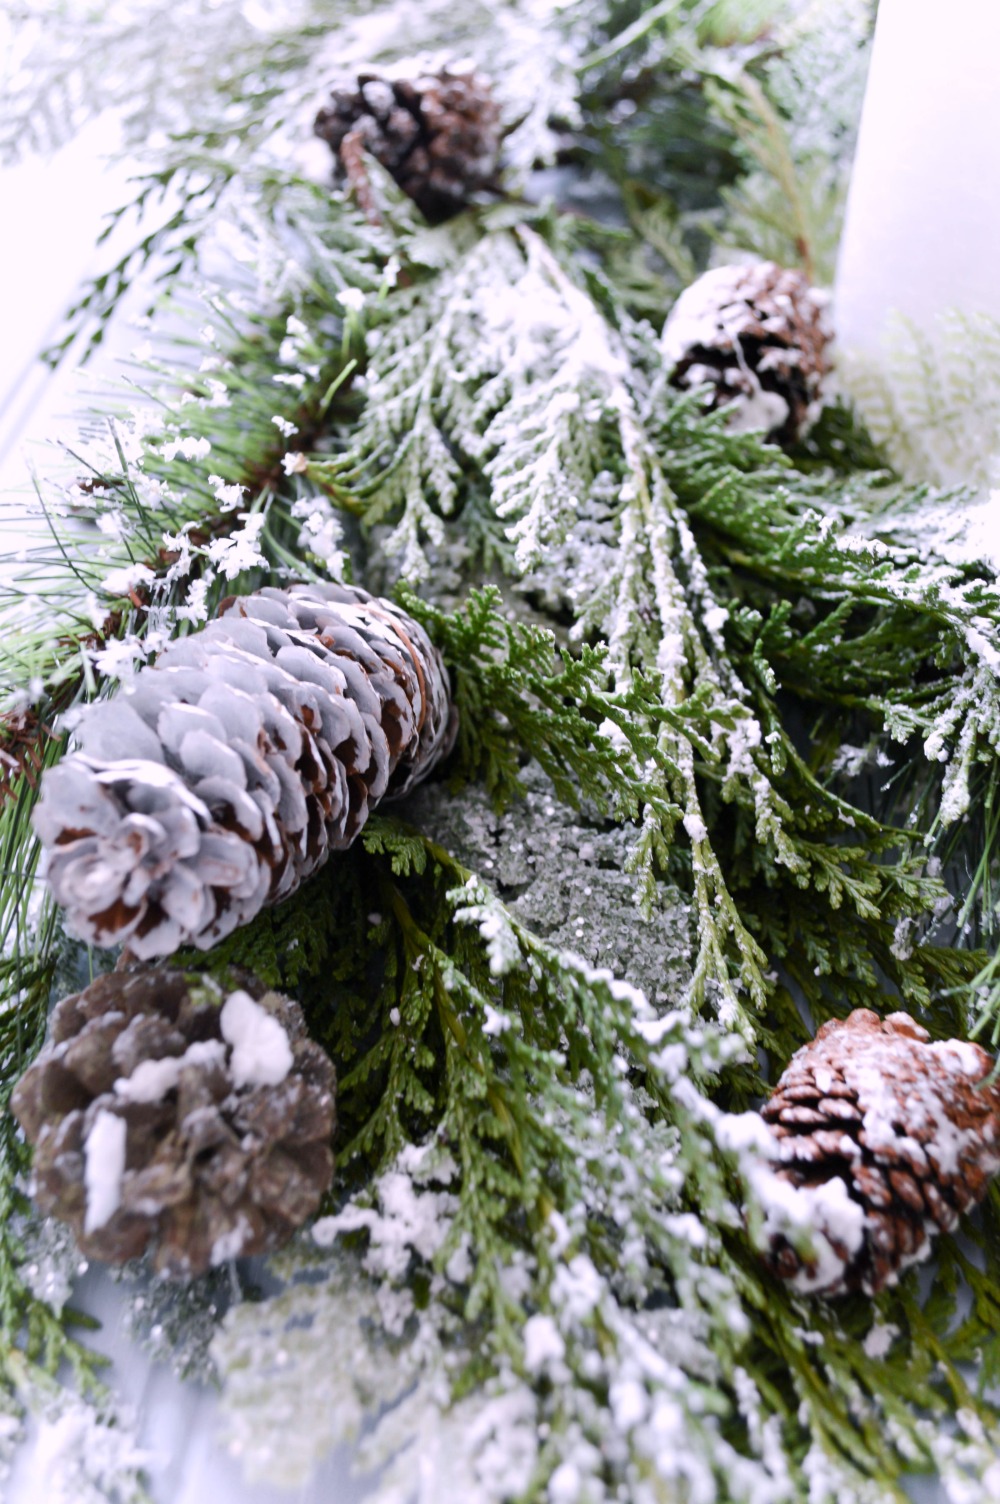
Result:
[
  {"x": 478, "y": 1017},
  {"x": 571, "y": 717},
  {"x": 244, "y": 143},
  {"x": 634, "y": 555}
]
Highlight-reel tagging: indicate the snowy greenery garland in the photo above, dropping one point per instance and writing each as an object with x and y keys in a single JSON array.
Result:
[{"x": 727, "y": 730}]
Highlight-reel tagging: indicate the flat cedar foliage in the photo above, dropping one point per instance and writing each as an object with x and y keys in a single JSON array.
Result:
[{"x": 754, "y": 682}]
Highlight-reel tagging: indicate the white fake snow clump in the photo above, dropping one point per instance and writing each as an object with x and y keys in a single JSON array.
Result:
[
  {"x": 262, "y": 1055},
  {"x": 103, "y": 1169}
]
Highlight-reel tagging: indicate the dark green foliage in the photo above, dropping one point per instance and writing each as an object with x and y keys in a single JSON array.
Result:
[{"x": 518, "y": 697}]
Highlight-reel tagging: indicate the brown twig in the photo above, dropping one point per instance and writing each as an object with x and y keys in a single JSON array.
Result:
[
  {"x": 23, "y": 743},
  {"x": 355, "y": 165}
]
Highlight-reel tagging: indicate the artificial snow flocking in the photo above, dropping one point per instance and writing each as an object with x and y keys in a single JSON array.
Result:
[
  {"x": 538, "y": 1256},
  {"x": 229, "y": 769}
]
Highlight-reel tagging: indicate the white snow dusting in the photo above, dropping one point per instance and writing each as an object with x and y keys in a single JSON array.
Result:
[
  {"x": 543, "y": 1343},
  {"x": 121, "y": 581},
  {"x": 832, "y": 1219}
]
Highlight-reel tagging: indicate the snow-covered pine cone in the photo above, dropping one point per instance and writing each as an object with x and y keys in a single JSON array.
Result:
[
  {"x": 756, "y": 337},
  {"x": 226, "y": 772},
  {"x": 437, "y": 133},
  {"x": 883, "y": 1139},
  {"x": 166, "y": 1114}
]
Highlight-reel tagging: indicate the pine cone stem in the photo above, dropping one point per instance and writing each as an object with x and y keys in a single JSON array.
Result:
[
  {"x": 352, "y": 156},
  {"x": 24, "y": 740}
]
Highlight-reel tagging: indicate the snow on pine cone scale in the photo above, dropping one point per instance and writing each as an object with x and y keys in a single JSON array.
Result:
[
  {"x": 169, "y": 1115},
  {"x": 756, "y": 338},
  {"x": 226, "y": 772},
  {"x": 437, "y": 133},
  {"x": 883, "y": 1139}
]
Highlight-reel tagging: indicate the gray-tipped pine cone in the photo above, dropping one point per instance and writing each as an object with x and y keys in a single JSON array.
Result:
[
  {"x": 438, "y": 133},
  {"x": 169, "y": 1115},
  {"x": 757, "y": 337},
  {"x": 226, "y": 772},
  {"x": 883, "y": 1140}
]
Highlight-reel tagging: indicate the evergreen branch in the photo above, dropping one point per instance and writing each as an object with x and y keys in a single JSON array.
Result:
[
  {"x": 904, "y": 648},
  {"x": 714, "y": 701},
  {"x": 515, "y": 699},
  {"x": 534, "y": 1245},
  {"x": 253, "y": 113},
  {"x": 489, "y": 1089},
  {"x": 746, "y": 108}
]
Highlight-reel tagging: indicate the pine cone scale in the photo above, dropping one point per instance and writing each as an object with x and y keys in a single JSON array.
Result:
[
  {"x": 755, "y": 337},
  {"x": 438, "y": 134}
]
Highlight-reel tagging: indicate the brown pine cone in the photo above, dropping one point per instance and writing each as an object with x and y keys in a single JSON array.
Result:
[
  {"x": 884, "y": 1139},
  {"x": 23, "y": 741},
  {"x": 166, "y": 1114},
  {"x": 226, "y": 772},
  {"x": 438, "y": 134},
  {"x": 756, "y": 337}
]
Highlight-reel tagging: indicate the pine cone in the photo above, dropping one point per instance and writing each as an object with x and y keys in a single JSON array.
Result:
[
  {"x": 227, "y": 771},
  {"x": 165, "y": 1113},
  {"x": 883, "y": 1140},
  {"x": 438, "y": 134},
  {"x": 757, "y": 337}
]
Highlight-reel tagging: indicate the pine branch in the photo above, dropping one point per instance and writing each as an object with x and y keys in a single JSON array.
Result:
[
  {"x": 903, "y": 649},
  {"x": 754, "y": 120},
  {"x": 542, "y": 1246},
  {"x": 716, "y": 697},
  {"x": 254, "y": 113},
  {"x": 490, "y": 1091}
]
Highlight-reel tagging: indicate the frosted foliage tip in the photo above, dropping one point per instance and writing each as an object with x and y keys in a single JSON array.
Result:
[{"x": 225, "y": 773}]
